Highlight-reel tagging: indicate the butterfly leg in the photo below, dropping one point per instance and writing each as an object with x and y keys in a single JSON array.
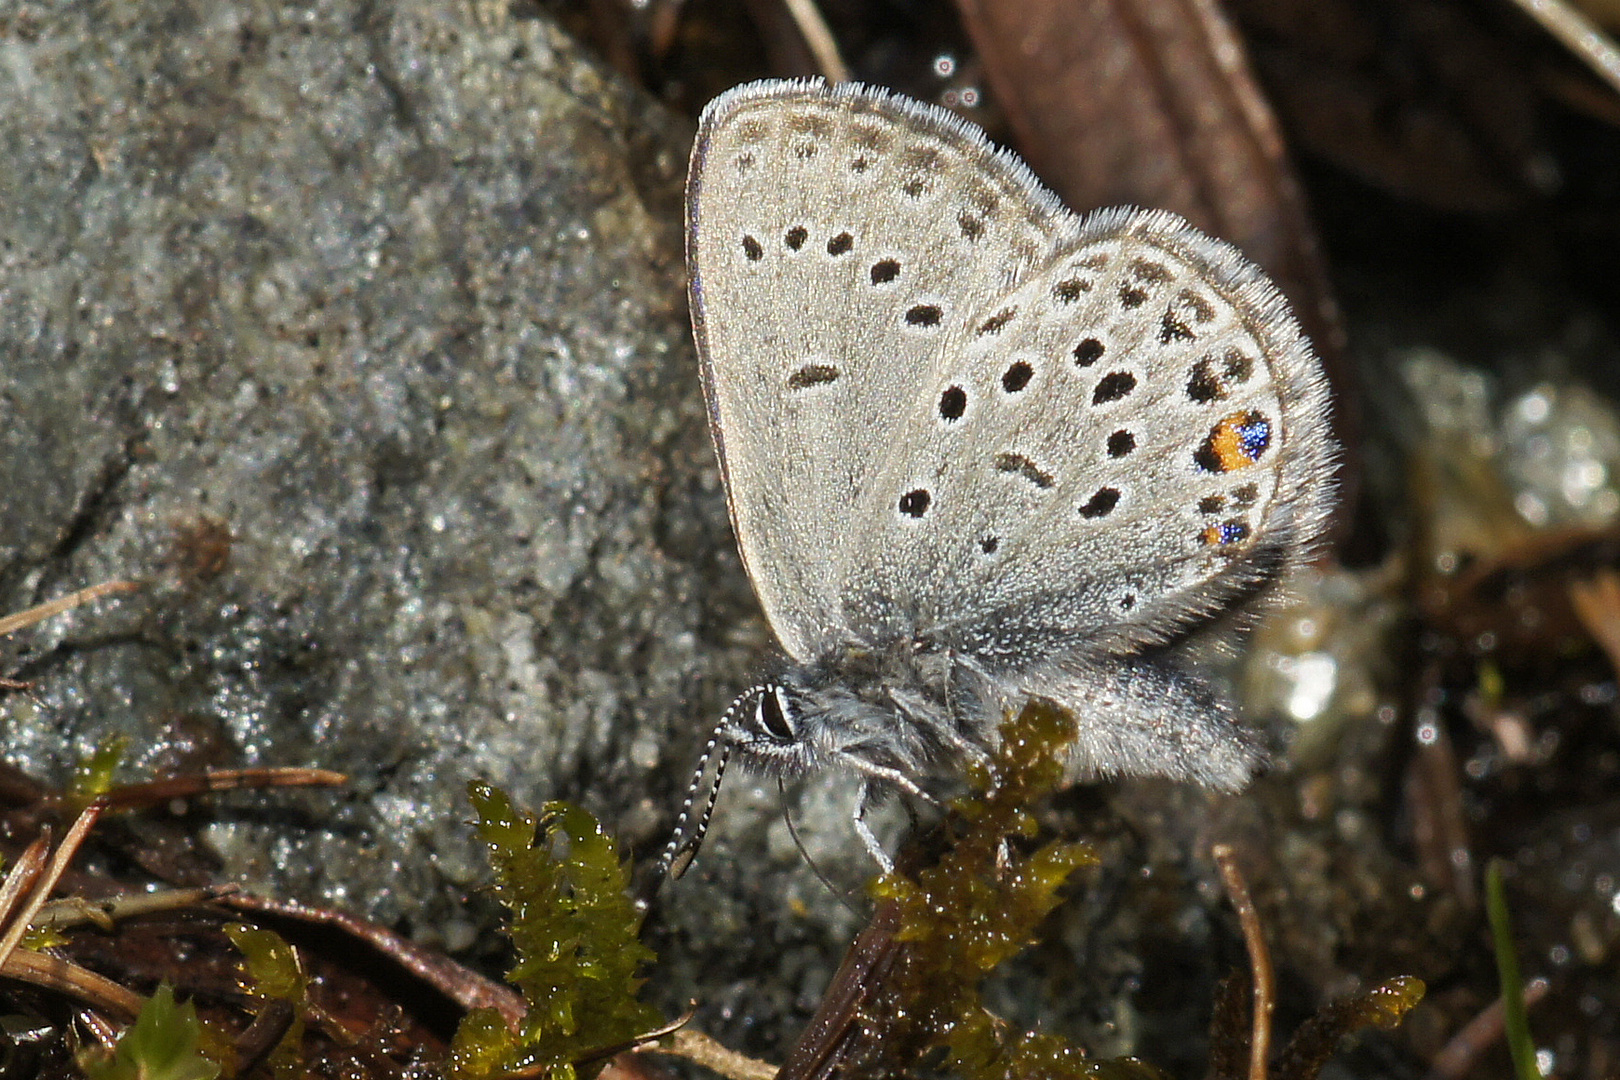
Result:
[
  {"x": 972, "y": 683},
  {"x": 968, "y": 749},
  {"x": 944, "y": 729},
  {"x": 864, "y": 831}
]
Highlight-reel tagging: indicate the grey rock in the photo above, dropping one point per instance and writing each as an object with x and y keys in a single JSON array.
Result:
[{"x": 383, "y": 307}]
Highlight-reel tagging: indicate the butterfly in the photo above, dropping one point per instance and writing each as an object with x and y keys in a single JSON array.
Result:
[{"x": 978, "y": 449}]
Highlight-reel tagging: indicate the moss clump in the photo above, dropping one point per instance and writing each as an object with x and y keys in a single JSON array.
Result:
[
  {"x": 164, "y": 1043},
  {"x": 93, "y": 776},
  {"x": 1317, "y": 1038},
  {"x": 983, "y": 902},
  {"x": 272, "y": 972},
  {"x": 977, "y": 907},
  {"x": 574, "y": 929}
]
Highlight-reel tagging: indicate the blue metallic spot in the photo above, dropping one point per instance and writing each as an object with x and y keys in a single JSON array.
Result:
[{"x": 1254, "y": 437}]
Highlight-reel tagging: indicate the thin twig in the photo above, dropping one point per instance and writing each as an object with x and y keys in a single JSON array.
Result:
[
  {"x": 105, "y": 914},
  {"x": 1265, "y": 991},
  {"x": 65, "y": 851},
  {"x": 41, "y": 612},
  {"x": 462, "y": 985},
  {"x": 64, "y": 977},
  {"x": 24, "y": 872},
  {"x": 1459, "y": 1056},
  {"x": 1597, "y": 605},
  {"x": 157, "y": 792},
  {"x": 274, "y": 1017},
  {"x": 645, "y": 1039},
  {"x": 818, "y": 36},
  {"x": 697, "y": 1047},
  {"x": 642, "y": 1041},
  {"x": 1579, "y": 34}
]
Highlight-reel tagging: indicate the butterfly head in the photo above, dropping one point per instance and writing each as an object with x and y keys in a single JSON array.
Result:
[
  {"x": 853, "y": 711},
  {"x": 767, "y": 727},
  {"x": 811, "y": 718},
  {"x": 764, "y": 727}
]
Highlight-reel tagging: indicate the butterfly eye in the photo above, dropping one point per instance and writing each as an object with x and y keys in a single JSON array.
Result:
[{"x": 772, "y": 715}]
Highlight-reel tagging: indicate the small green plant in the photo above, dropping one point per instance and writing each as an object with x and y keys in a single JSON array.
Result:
[
  {"x": 272, "y": 973},
  {"x": 1515, "y": 1022},
  {"x": 1315, "y": 1040},
  {"x": 93, "y": 776},
  {"x": 164, "y": 1043},
  {"x": 574, "y": 929}
]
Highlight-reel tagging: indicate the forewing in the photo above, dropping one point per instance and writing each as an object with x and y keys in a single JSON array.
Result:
[
  {"x": 832, "y": 234},
  {"x": 1122, "y": 445}
]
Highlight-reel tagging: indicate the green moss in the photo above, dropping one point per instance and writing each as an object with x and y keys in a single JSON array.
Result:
[
  {"x": 980, "y": 905},
  {"x": 273, "y": 973},
  {"x": 1383, "y": 1006},
  {"x": 983, "y": 902},
  {"x": 574, "y": 929},
  {"x": 93, "y": 776},
  {"x": 39, "y": 938},
  {"x": 272, "y": 965},
  {"x": 162, "y": 1044}
]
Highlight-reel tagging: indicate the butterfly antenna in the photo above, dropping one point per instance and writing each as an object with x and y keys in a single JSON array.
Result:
[
  {"x": 684, "y": 843},
  {"x": 787, "y": 816}
]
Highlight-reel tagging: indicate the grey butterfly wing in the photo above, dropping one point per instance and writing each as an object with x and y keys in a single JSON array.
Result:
[
  {"x": 828, "y": 232},
  {"x": 1107, "y": 453},
  {"x": 1127, "y": 444}
]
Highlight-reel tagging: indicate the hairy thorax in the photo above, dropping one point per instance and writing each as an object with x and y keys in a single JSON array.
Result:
[{"x": 906, "y": 707}]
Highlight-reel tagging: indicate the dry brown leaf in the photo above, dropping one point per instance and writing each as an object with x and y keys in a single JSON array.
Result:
[{"x": 1150, "y": 102}]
